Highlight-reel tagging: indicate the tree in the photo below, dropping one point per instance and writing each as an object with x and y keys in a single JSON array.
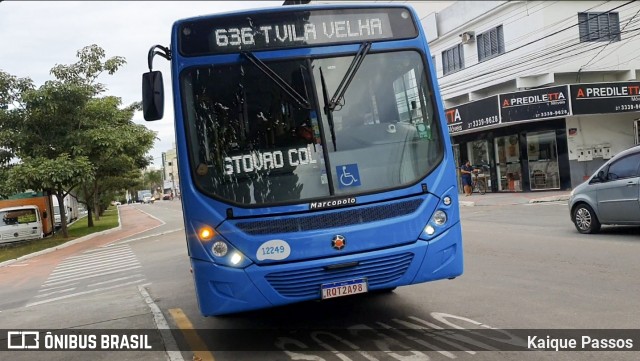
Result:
[
  {"x": 62, "y": 135},
  {"x": 117, "y": 147}
]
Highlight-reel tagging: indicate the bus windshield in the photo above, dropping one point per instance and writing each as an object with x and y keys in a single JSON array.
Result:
[{"x": 252, "y": 143}]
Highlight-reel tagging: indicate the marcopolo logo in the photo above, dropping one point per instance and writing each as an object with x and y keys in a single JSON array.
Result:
[{"x": 332, "y": 203}]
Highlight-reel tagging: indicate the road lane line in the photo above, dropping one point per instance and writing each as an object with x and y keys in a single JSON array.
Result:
[
  {"x": 81, "y": 293},
  {"x": 48, "y": 283},
  {"x": 54, "y": 292},
  {"x": 195, "y": 342},
  {"x": 163, "y": 326},
  {"x": 117, "y": 279}
]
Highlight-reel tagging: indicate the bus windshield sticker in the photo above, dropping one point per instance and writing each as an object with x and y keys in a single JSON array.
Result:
[
  {"x": 275, "y": 249},
  {"x": 348, "y": 175},
  {"x": 256, "y": 161}
]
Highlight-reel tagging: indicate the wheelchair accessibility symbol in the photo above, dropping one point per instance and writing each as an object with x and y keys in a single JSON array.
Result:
[{"x": 348, "y": 175}]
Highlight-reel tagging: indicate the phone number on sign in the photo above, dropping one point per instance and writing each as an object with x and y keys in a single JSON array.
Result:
[
  {"x": 628, "y": 107},
  {"x": 553, "y": 113},
  {"x": 484, "y": 121}
]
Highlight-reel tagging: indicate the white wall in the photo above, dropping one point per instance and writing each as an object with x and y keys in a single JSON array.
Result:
[
  {"x": 524, "y": 22},
  {"x": 592, "y": 130}
]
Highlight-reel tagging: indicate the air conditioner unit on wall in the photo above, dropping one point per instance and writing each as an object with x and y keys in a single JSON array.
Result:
[{"x": 467, "y": 37}]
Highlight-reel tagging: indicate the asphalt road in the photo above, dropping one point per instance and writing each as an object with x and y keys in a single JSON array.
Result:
[{"x": 525, "y": 268}]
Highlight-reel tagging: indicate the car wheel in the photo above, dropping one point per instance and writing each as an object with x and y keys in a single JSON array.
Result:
[{"x": 585, "y": 219}]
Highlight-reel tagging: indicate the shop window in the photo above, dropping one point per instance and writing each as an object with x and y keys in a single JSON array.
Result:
[
  {"x": 478, "y": 151},
  {"x": 542, "y": 154},
  {"x": 599, "y": 26},
  {"x": 452, "y": 60},
  {"x": 509, "y": 169}
]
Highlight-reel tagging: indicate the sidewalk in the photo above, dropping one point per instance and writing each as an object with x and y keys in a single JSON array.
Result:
[{"x": 503, "y": 199}]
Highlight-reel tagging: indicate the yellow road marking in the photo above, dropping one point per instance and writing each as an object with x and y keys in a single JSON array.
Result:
[{"x": 195, "y": 342}]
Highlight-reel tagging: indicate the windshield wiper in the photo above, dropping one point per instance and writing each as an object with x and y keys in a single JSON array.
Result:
[
  {"x": 328, "y": 111},
  {"x": 348, "y": 76},
  {"x": 292, "y": 93}
]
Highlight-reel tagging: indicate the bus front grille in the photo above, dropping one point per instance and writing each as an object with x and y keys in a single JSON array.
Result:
[
  {"x": 338, "y": 218},
  {"x": 306, "y": 282}
]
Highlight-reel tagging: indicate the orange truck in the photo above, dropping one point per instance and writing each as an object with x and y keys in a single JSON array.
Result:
[{"x": 42, "y": 202}]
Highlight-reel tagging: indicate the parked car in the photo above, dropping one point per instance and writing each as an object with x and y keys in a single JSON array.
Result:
[{"x": 610, "y": 196}]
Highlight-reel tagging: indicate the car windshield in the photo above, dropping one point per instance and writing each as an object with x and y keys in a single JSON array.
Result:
[{"x": 251, "y": 143}]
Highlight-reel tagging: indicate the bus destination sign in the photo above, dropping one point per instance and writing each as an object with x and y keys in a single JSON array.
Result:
[{"x": 294, "y": 29}]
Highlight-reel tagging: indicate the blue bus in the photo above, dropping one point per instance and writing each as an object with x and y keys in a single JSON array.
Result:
[{"x": 313, "y": 154}]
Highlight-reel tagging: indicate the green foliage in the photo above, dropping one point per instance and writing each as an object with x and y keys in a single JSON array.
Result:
[{"x": 65, "y": 134}]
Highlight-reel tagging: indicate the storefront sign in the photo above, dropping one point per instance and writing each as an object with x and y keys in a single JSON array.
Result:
[
  {"x": 535, "y": 104},
  {"x": 476, "y": 114},
  {"x": 605, "y": 98}
]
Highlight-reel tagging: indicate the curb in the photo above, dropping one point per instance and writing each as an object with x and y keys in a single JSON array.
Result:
[
  {"x": 564, "y": 197},
  {"x": 65, "y": 245},
  {"x": 467, "y": 203}
]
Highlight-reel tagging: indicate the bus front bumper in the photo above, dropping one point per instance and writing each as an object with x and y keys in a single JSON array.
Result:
[{"x": 222, "y": 290}]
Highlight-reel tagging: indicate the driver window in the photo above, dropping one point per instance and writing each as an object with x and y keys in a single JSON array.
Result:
[{"x": 626, "y": 167}]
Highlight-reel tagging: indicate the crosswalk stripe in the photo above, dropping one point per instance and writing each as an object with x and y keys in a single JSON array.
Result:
[
  {"x": 91, "y": 261},
  {"x": 94, "y": 256},
  {"x": 48, "y": 283},
  {"x": 81, "y": 293},
  {"x": 115, "y": 280},
  {"x": 96, "y": 271},
  {"x": 79, "y": 268},
  {"x": 54, "y": 288},
  {"x": 103, "y": 248},
  {"x": 54, "y": 292}
]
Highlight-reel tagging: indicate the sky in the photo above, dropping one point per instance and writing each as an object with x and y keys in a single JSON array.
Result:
[{"x": 37, "y": 35}]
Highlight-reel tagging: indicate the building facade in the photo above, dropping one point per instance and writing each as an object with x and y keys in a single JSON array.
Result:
[
  {"x": 543, "y": 93},
  {"x": 170, "y": 170}
]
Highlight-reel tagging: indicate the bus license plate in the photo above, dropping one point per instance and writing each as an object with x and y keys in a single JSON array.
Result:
[{"x": 344, "y": 288}]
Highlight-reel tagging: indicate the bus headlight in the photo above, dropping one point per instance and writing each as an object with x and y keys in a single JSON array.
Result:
[
  {"x": 439, "y": 218},
  {"x": 219, "y": 249},
  {"x": 429, "y": 230},
  {"x": 236, "y": 258},
  {"x": 225, "y": 254}
]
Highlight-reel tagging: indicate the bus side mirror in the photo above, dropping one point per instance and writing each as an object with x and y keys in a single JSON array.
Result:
[{"x": 152, "y": 95}]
